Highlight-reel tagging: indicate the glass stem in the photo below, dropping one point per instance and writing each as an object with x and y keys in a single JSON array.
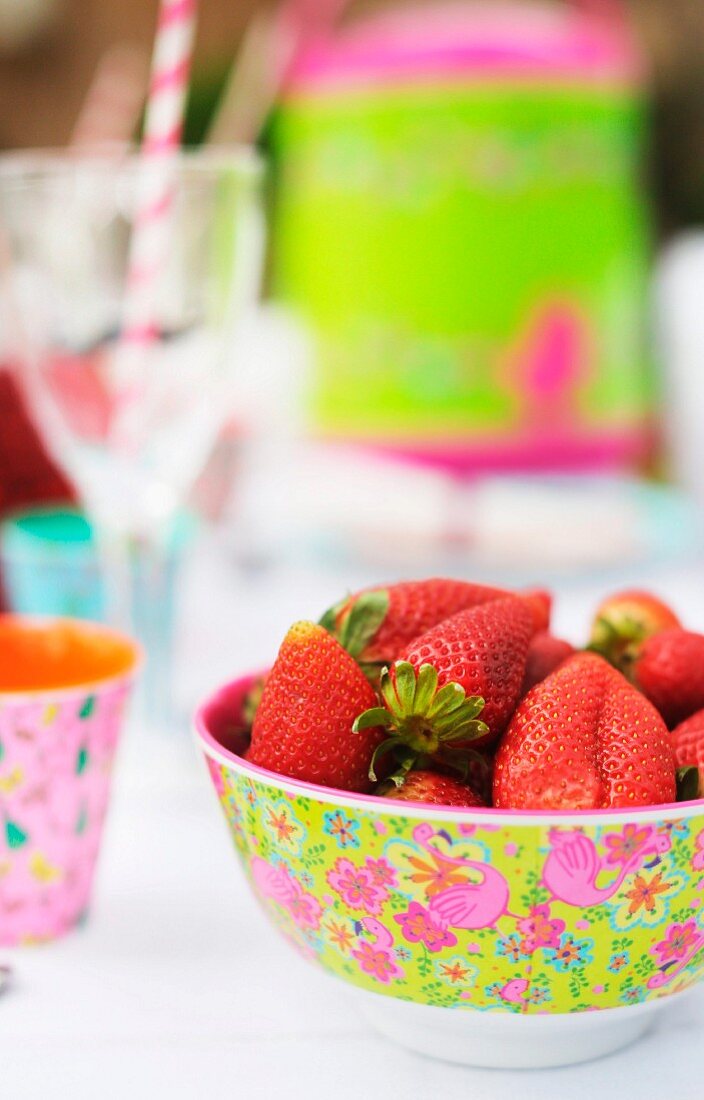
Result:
[
  {"x": 114, "y": 551},
  {"x": 140, "y": 584},
  {"x": 153, "y": 568}
]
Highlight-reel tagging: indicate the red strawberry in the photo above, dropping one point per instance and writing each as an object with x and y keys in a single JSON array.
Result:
[
  {"x": 584, "y": 739},
  {"x": 473, "y": 662},
  {"x": 545, "y": 654},
  {"x": 434, "y": 790},
  {"x": 541, "y": 602},
  {"x": 669, "y": 669},
  {"x": 625, "y": 620},
  {"x": 477, "y": 770},
  {"x": 688, "y": 744},
  {"x": 484, "y": 650},
  {"x": 303, "y": 725},
  {"x": 376, "y": 624}
]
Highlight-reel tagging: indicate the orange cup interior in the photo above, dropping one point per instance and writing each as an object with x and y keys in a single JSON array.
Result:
[{"x": 38, "y": 655}]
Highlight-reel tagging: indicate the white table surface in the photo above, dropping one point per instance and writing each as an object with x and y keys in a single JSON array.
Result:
[{"x": 178, "y": 988}]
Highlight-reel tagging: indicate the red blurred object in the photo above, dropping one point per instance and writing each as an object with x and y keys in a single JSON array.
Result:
[
  {"x": 546, "y": 654},
  {"x": 28, "y": 475},
  {"x": 78, "y": 387}
]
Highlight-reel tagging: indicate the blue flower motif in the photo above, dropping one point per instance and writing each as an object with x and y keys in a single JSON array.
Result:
[
  {"x": 233, "y": 810},
  {"x": 539, "y": 996},
  {"x": 511, "y": 947},
  {"x": 402, "y": 953},
  {"x": 341, "y": 828},
  {"x": 278, "y": 860},
  {"x": 633, "y": 996},
  {"x": 570, "y": 954},
  {"x": 311, "y": 938},
  {"x": 250, "y": 792},
  {"x": 618, "y": 961}
]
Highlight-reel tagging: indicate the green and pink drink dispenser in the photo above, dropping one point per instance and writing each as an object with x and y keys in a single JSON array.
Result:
[{"x": 461, "y": 227}]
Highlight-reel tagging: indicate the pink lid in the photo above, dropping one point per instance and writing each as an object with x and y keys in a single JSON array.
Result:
[{"x": 475, "y": 39}]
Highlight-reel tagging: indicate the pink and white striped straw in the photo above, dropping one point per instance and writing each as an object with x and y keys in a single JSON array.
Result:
[{"x": 171, "y": 66}]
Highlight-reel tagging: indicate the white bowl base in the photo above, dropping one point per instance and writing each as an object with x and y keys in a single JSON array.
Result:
[{"x": 505, "y": 1040}]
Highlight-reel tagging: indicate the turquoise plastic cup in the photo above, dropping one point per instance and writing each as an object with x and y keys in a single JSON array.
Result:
[{"x": 50, "y": 565}]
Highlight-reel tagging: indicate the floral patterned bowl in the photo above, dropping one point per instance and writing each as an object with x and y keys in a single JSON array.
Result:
[{"x": 482, "y": 936}]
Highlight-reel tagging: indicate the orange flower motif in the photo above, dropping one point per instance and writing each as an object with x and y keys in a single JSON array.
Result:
[
  {"x": 340, "y": 936},
  {"x": 281, "y": 825},
  {"x": 454, "y": 972},
  {"x": 438, "y": 875},
  {"x": 644, "y": 893}
]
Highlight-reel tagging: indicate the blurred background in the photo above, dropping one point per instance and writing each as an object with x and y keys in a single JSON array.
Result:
[
  {"x": 49, "y": 51},
  {"x": 477, "y": 347}
]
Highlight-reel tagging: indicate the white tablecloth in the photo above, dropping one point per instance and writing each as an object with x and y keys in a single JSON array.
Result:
[{"x": 178, "y": 988}]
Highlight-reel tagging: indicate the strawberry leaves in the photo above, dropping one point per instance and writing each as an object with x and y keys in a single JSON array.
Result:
[
  {"x": 423, "y": 720},
  {"x": 617, "y": 644},
  {"x": 355, "y": 629},
  {"x": 687, "y": 784}
]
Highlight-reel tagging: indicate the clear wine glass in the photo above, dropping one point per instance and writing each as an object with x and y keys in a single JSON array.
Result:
[{"x": 67, "y": 221}]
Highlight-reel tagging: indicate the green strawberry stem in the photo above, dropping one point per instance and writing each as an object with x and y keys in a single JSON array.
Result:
[
  {"x": 687, "y": 784},
  {"x": 457, "y": 759},
  {"x": 420, "y": 716},
  {"x": 616, "y": 644},
  {"x": 405, "y": 759},
  {"x": 252, "y": 700},
  {"x": 360, "y": 625}
]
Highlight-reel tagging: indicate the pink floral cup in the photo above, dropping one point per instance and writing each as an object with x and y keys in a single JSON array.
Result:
[
  {"x": 490, "y": 937},
  {"x": 63, "y": 689}
]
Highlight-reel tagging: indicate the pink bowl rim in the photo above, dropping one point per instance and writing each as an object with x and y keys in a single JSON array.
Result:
[
  {"x": 484, "y": 815},
  {"x": 103, "y": 683}
]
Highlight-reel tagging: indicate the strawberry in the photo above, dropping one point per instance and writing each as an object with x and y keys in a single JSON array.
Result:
[
  {"x": 472, "y": 663},
  {"x": 546, "y": 652},
  {"x": 584, "y": 739},
  {"x": 476, "y": 767},
  {"x": 688, "y": 743},
  {"x": 303, "y": 725},
  {"x": 375, "y": 625},
  {"x": 432, "y": 789},
  {"x": 540, "y": 601},
  {"x": 669, "y": 669},
  {"x": 624, "y": 620}
]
